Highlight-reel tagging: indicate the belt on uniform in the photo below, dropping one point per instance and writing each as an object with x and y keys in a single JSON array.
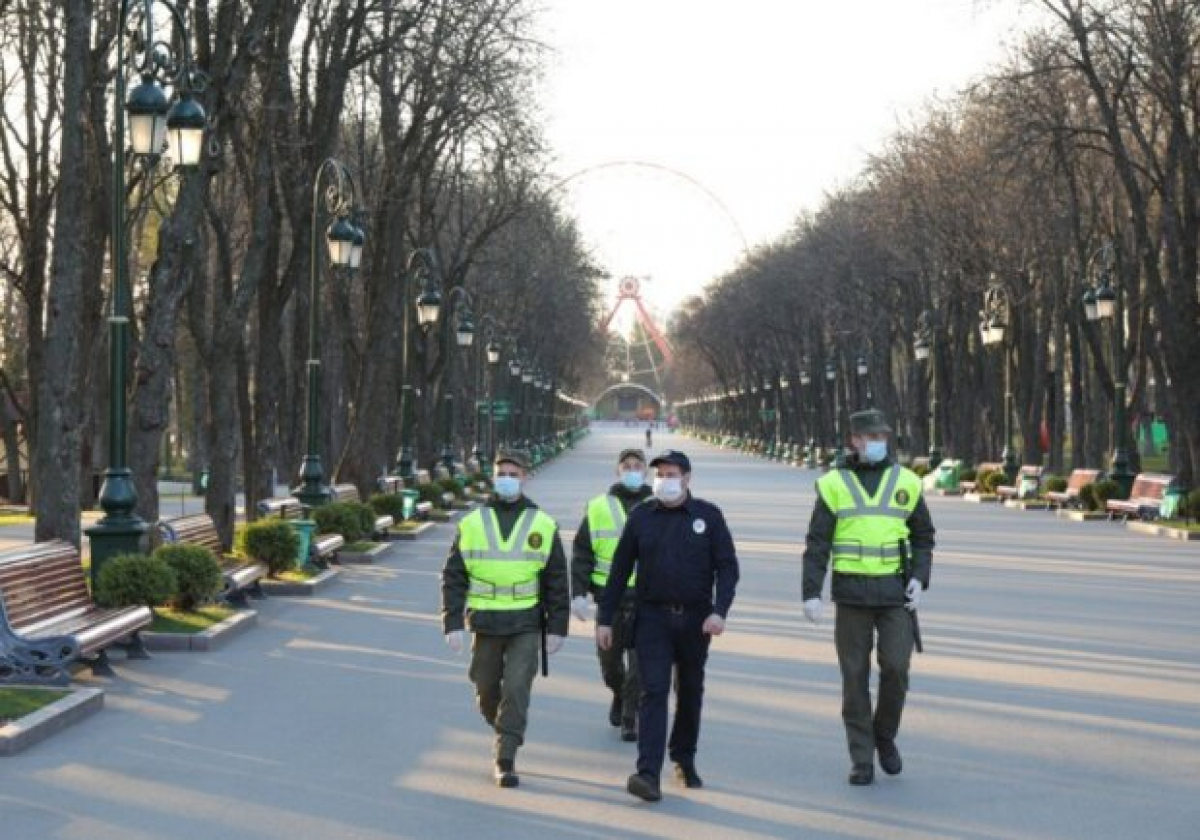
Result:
[{"x": 676, "y": 607}]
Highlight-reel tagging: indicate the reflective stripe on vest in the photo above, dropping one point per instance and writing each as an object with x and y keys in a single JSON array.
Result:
[
  {"x": 606, "y": 520},
  {"x": 867, "y": 538},
  {"x": 503, "y": 574}
]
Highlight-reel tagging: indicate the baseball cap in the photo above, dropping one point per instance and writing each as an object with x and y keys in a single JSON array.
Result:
[
  {"x": 513, "y": 456},
  {"x": 640, "y": 454},
  {"x": 673, "y": 456}
]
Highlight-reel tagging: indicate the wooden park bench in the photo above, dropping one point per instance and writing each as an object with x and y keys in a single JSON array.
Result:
[
  {"x": 349, "y": 493},
  {"x": 1144, "y": 500},
  {"x": 48, "y": 618},
  {"x": 986, "y": 467},
  {"x": 1029, "y": 475},
  {"x": 323, "y": 548},
  {"x": 918, "y": 463},
  {"x": 390, "y": 484},
  {"x": 241, "y": 576},
  {"x": 1076, "y": 481}
]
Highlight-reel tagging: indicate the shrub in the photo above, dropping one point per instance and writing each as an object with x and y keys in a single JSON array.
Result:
[
  {"x": 1105, "y": 490},
  {"x": 134, "y": 580},
  {"x": 478, "y": 478},
  {"x": 197, "y": 573},
  {"x": 1087, "y": 497},
  {"x": 450, "y": 485},
  {"x": 388, "y": 504},
  {"x": 989, "y": 481},
  {"x": 1055, "y": 484},
  {"x": 966, "y": 475},
  {"x": 271, "y": 541},
  {"x": 1189, "y": 505},
  {"x": 430, "y": 493},
  {"x": 353, "y": 520},
  {"x": 921, "y": 470}
]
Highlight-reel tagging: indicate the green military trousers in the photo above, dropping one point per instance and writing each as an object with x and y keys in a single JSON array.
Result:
[
  {"x": 618, "y": 664},
  {"x": 854, "y": 634},
  {"x": 502, "y": 669}
]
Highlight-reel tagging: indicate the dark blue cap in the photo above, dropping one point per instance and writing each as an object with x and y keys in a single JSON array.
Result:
[{"x": 673, "y": 456}]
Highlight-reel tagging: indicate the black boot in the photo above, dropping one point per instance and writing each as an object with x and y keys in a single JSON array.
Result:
[
  {"x": 644, "y": 786},
  {"x": 889, "y": 756},
  {"x": 614, "y": 711},
  {"x": 506, "y": 773},
  {"x": 862, "y": 774},
  {"x": 685, "y": 772},
  {"x": 629, "y": 730}
]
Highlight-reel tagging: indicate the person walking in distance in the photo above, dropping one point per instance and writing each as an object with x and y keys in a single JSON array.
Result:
[
  {"x": 506, "y": 578},
  {"x": 871, "y": 521},
  {"x": 591, "y": 559},
  {"x": 687, "y": 573}
]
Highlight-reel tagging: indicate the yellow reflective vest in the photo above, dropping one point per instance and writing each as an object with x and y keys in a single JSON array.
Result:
[
  {"x": 867, "y": 538},
  {"x": 606, "y": 519},
  {"x": 504, "y": 574}
]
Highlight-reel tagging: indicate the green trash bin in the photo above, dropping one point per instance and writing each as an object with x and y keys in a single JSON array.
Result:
[
  {"x": 1168, "y": 508},
  {"x": 409, "y": 498},
  {"x": 304, "y": 528},
  {"x": 948, "y": 475}
]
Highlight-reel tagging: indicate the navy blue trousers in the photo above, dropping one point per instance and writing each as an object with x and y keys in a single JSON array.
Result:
[{"x": 667, "y": 638}]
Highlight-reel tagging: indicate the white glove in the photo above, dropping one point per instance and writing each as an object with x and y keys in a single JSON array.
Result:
[
  {"x": 553, "y": 643},
  {"x": 912, "y": 595},
  {"x": 579, "y": 608},
  {"x": 454, "y": 640},
  {"x": 813, "y": 609}
]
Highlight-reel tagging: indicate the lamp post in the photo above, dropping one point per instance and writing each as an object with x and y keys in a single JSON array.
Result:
[
  {"x": 810, "y": 459},
  {"x": 485, "y": 433},
  {"x": 151, "y": 120},
  {"x": 422, "y": 265},
  {"x": 997, "y": 307},
  {"x": 342, "y": 239},
  {"x": 831, "y": 378},
  {"x": 464, "y": 337},
  {"x": 923, "y": 349},
  {"x": 1102, "y": 303},
  {"x": 864, "y": 379}
]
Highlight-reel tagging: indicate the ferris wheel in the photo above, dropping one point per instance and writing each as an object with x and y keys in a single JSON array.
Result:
[{"x": 645, "y": 352}]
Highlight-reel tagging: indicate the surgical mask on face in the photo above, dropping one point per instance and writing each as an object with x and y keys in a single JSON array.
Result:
[
  {"x": 874, "y": 451},
  {"x": 633, "y": 479},
  {"x": 668, "y": 489},
  {"x": 508, "y": 487}
]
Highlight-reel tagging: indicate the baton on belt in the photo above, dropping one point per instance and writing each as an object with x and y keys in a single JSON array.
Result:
[
  {"x": 906, "y": 568},
  {"x": 545, "y": 652}
]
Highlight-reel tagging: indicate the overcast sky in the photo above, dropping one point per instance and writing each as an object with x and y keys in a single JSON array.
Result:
[{"x": 760, "y": 106}]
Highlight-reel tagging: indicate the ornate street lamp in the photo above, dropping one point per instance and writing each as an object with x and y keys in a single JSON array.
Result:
[
  {"x": 151, "y": 122},
  {"x": 923, "y": 340},
  {"x": 464, "y": 337},
  {"x": 1101, "y": 304},
  {"x": 997, "y": 307},
  {"x": 422, "y": 266},
  {"x": 339, "y": 198}
]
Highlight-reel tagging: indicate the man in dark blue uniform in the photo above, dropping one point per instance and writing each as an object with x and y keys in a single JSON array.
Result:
[{"x": 687, "y": 571}]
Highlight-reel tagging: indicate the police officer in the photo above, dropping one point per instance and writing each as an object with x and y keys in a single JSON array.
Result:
[
  {"x": 507, "y": 575},
  {"x": 871, "y": 520},
  {"x": 687, "y": 571},
  {"x": 591, "y": 559}
]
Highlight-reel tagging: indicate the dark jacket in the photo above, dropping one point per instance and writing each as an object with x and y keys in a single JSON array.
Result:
[
  {"x": 554, "y": 605},
  {"x": 683, "y": 555},
  {"x": 865, "y": 590},
  {"x": 583, "y": 559}
]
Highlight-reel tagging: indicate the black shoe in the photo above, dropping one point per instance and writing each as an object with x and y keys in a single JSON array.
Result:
[
  {"x": 686, "y": 773},
  {"x": 614, "y": 711},
  {"x": 862, "y": 774},
  {"x": 628, "y": 730},
  {"x": 889, "y": 757},
  {"x": 506, "y": 774},
  {"x": 644, "y": 786}
]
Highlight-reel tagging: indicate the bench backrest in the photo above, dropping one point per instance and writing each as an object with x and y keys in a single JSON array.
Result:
[
  {"x": 197, "y": 529},
  {"x": 390, "y": 483},
  {"x": 1150, "y": 486},
  {"x": 346, "y": 493},
  {"x": 42, "y": 581},
  {"x": 1030, "y": 471},
  {"x": 283, "y": 507},
  {"x": 1079, "y": 478},
  {"x": 989, "y": 466}
]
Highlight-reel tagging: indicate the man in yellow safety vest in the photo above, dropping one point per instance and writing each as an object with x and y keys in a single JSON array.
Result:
[
  {"x": 506, "y": 578},
  {"x": 871, "y": 520},
  {"x": 591, "y": 559}
]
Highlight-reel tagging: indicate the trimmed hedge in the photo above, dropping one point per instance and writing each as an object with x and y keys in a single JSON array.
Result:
[
  {"x": 388, "y": 504},
  {"x": 1055, "y": 484},
  {"x": 198, "y": 576},
  {"x": 271, "y": 541},
  {"x": 353, "y": 520},
  {"x": 135, "y": 580}
]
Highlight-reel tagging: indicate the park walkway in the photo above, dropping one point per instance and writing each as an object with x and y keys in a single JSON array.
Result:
[{"x": 1059, "y": 698}]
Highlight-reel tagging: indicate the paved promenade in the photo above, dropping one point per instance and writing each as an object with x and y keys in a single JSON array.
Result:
[{"x": 1059, "y": 698}]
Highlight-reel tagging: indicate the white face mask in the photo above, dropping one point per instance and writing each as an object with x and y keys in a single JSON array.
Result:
[
  {"x": 668, "y": 489},
  {"x": 633, "y": 479},
  {"x": 874, "y": 451},
  {"x": 508, "y": 487}
]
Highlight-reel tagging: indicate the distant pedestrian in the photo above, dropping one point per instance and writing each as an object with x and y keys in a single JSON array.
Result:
[
  {"x": 507, "y": 578},
  {"x": 591, "y": 560},
  {"x": 649, "y": 435},
  {"x": 687, "y": 573},
  {"x": 871, "y": 520}
]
